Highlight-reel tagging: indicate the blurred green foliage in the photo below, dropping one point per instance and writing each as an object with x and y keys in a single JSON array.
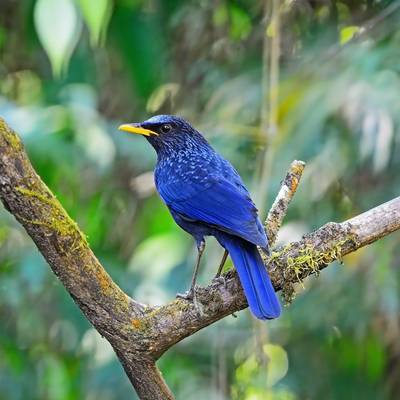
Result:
[{"x": 71, "y": 71}]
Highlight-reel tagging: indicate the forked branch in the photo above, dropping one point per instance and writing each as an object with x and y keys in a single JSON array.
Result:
[{"x": 140, "y": 334}]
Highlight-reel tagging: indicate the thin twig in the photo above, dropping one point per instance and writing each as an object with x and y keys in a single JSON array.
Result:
[{"x": 280, "y": 206}]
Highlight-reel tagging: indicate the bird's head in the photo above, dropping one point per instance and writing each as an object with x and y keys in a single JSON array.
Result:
[{"x": 167, "y": 133}]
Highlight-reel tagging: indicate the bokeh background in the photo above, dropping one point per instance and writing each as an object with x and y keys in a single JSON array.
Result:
[{"x": 267, "y": 82}]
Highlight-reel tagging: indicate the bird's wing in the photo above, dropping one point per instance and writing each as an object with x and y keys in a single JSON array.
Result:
[{"x": 217, "y": 202}]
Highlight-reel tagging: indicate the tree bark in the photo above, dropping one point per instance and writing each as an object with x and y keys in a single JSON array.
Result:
[{"x": 139, "y": 333}]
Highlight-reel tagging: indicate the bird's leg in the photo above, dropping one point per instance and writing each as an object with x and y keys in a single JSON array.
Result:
[
  {"x": 191, "y": 294},
  {"x": 222, "y": 263},
  {"x": 200, "y": 249},
  {"x": 218, "y": 276}
]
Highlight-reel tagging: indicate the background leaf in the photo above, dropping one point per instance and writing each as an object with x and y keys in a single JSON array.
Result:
[
  {"x": 97, "y": 16},
  {"x": 58, "y": 26}
]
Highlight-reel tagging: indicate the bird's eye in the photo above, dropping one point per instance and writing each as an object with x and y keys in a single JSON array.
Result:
[{"x": 166, "y": 128}]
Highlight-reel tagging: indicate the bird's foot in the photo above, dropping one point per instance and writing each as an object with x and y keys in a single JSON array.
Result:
[
  {"x": 220, "y": 279},
  {"x": 190, "y": 295}
]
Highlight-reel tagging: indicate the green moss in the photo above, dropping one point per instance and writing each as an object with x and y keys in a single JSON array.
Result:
[
  {"x": 39, "y": 196},
  {"x": 56, "y": 218},
  {"x": 12, "y": 139},
  {"x": 307, "y": 261}
]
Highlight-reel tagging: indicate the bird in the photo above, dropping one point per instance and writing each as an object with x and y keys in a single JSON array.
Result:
[{"x": 206, "y": 197}]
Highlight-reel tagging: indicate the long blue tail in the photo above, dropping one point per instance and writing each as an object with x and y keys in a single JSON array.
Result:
[{"x": 253, "y": 276}]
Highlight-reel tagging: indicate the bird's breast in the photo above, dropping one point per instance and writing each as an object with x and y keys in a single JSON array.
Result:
[{"x": 184, "y": 167}]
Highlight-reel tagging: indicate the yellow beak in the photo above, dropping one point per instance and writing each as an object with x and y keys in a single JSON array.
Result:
[{"x": 133, "y": 128}]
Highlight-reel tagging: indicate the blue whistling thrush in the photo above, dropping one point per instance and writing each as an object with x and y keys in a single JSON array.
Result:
[{"x": 207, "y": 197}]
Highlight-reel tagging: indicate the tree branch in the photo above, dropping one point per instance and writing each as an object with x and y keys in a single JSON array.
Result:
[
  {"x": 287, "y": 266},
  {"x": 140, "y": 334},
  {"x": 63, "y": 245},
  {"x": 280, "y": 206}
]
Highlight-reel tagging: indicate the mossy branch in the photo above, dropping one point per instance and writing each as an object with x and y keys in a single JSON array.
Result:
[{"x": 140, "y": 334}]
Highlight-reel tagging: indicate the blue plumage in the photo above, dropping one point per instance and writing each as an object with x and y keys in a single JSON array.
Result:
[
  {"x": 253, "y": 276},
  {"x": 206, "y": 196}
]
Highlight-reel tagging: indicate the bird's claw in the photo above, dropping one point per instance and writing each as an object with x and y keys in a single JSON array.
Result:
[
  {"x": 220, "y": 279},
  {"x": 190, "y": 295}
]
